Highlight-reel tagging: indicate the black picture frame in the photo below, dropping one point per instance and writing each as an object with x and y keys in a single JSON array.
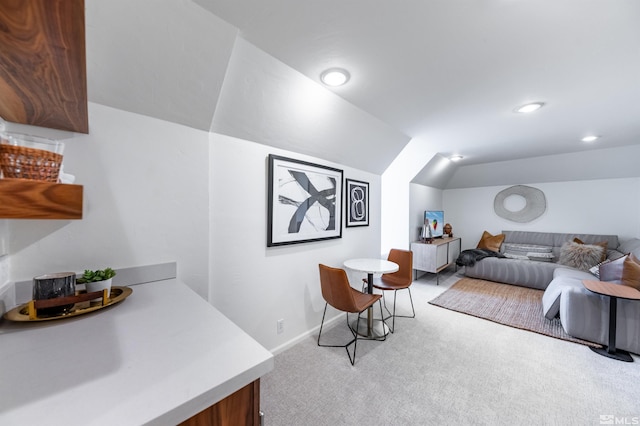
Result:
[
  {"x": 304, "y": 202},
  {"x": 357, "y": 202}
]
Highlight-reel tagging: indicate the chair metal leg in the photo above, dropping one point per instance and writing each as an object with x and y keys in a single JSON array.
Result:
[
  {"x": 413, "y": 311},
  {"x": 383, "y": 322},
  {"x": 352, "y": 359},
  {"x": 393, "y": 315},
  {"x": 346, "y": 347}
]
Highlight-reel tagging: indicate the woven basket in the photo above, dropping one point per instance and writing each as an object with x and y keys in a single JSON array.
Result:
[{"x": 29, "y": 163}]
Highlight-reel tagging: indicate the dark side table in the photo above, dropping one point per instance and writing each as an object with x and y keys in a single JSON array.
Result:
[{"x": 615, "y": 292}]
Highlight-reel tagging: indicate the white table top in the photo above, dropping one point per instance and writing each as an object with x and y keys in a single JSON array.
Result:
[
  {"x": 158, "y": 357},
  {"x": 371, "y": 266}
]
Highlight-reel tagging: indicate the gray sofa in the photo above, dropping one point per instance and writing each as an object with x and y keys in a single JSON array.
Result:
[
  {"x": 533, "y": 273},
  {"x": 583, "y": 314}
]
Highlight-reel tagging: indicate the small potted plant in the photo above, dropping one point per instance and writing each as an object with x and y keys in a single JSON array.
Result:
[{"x": 97, "y": 280}]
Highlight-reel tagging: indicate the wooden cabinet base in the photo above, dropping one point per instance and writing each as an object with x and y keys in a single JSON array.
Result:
[{"x": 241, "y": 408}]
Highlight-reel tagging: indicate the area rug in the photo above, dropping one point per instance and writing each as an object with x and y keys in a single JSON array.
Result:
[{"x": 511, "y": 305}]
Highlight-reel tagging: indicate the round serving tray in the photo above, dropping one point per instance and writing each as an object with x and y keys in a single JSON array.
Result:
[{"x": 118, "y": 294}]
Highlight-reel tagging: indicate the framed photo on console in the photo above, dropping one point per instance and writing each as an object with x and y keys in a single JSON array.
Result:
[
  {"x": 305, "y": 202},
  {"x": 357, "y": 195}
]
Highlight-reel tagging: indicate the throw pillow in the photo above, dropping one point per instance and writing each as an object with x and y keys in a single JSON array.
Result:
[
  {"x": 580, "y": 256},
  {"x": 528, "y": 251},
  {"x": 516, "y": 256},
  {"x": 631, "y": 272},
  {"x": 540, "y": 257},
  {"x": 490, "y": 242},
  {"x": 603, "y": 244},
  {"x": 523, "y": 249},
  {"x": 611, "y": 271}
]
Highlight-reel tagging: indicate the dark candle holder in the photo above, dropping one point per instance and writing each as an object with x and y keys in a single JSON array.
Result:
[{"x": 52, "y": 286}]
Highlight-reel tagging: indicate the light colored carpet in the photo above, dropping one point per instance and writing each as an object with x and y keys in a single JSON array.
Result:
[
  {"x": 444, "y": 367},
  {"x": 505, "y": 304}
]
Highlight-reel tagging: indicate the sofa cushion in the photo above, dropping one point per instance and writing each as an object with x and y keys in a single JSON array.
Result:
[
  {"x": 571, "y": 273},
  {"x": 563, "y": 278},
  {"x": 580, "y": 256},
  {"x": 525, "y": 273},
  {"x": 551, "y": 299},
  {"x": 630, "y": 246},
  {"x": 631, "y": 272},
  {"x": 490, "y": 242}
]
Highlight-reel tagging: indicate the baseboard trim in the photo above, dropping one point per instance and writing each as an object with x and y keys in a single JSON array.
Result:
[{"x": 291, "y": 343}]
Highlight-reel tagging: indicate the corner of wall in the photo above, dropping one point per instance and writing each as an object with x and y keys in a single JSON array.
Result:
[
  {"x": 7, "y": 292},
  {"x": 4, "y": 240}
]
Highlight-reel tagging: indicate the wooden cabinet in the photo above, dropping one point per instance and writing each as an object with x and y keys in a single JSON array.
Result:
[
  {"x": 435, "y": 256},
  {"x": 32, "y": 199},
  {"x": 241, "y": 408}
]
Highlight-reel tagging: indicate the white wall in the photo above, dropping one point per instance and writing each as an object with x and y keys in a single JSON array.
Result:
[
  {"x": 422, "y": 198},
  {"x": 145, "y": 201},
  {"x": 606, "y": 206},
  {"x": 255, "y": 285},
  {"x": 396, "y": 194}
]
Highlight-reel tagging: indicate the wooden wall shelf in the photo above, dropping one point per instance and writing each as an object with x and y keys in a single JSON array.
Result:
[
  {"x": 43, "y": 79},
  {"x": 31, "y": 199}
]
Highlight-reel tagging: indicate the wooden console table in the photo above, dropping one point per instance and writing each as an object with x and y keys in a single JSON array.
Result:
[{"x": 435, "y": 256}]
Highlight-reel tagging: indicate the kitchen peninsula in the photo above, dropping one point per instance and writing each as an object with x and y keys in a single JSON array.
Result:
[{"x": 159, "y": 357}]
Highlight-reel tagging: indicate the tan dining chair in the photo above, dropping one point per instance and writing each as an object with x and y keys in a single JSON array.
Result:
[
  {"x": 399, "y": 280},
  {"x": 338, "y": 293}
]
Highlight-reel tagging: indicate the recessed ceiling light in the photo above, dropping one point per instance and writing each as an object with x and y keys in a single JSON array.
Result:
[
  {"x": 530, "y": 107},
  {"x": 456, "y": 157},
  {"x": 335, "y": 77},
  {"x": 590, "y": 138}
]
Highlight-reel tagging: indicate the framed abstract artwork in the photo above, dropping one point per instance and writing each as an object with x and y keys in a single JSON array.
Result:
[
  {"x": 357, "y": 200},
  {"x": 305, "y": 202}
]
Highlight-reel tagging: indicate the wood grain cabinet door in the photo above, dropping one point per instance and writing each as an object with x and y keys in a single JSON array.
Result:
[{"x": 241, "y": 408}]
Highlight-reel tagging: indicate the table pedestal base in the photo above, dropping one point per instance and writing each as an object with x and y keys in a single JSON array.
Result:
[
  {"x": 613, "y": 291},
  {"x": 618, "y": 354},
  {"x": 378, "y": 329}
]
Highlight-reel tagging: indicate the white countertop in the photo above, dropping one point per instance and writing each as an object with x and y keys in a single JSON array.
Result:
[{"x": 158, "y": 357}]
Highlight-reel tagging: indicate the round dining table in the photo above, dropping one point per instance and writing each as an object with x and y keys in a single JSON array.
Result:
[{"x": 372, "y": 329}]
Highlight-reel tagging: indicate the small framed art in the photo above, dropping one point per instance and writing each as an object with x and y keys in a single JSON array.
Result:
[
  {"x": 305, "y": 202},
  {"x": 357, "y": 195}
]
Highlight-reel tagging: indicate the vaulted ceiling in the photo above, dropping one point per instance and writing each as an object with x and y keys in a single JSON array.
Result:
[{"x": 445, "y": 73}]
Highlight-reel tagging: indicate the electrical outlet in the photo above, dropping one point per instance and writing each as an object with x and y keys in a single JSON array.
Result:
[{"x": 280, "y": 326}]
